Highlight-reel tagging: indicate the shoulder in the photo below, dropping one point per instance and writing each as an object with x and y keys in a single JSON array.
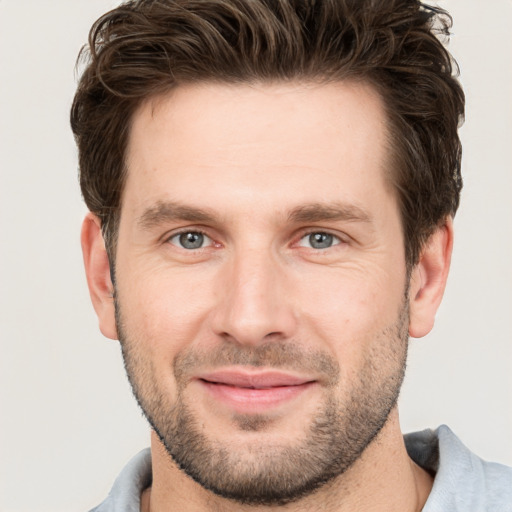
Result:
[
  {"x": 127, "y": 489},
  {"x": 463, "y": 481}
]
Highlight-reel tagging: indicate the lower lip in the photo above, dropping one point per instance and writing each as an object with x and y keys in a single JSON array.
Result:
[{"x": 249, "y": 400}]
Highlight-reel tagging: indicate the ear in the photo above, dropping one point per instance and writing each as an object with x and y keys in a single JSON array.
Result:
[
  {"x": 97, "y": 270},
  {"x": 428, "y": 280}
]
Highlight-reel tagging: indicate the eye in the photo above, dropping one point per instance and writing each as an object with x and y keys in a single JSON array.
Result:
[
  {"x": 319, "y": 240},
  {"x": 191, "y": 240}
]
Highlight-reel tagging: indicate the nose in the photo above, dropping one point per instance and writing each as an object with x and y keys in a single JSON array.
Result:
[{"x": 254, "y": 302}]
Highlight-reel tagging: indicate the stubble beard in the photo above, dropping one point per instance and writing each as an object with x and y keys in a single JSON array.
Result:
[{"x": 273, "y": 474}]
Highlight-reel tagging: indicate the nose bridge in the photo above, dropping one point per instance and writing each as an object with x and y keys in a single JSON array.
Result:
[{"x": 252, "y": 304}]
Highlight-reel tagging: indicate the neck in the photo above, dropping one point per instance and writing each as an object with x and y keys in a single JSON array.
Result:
[{"x": 383, "y": 479}]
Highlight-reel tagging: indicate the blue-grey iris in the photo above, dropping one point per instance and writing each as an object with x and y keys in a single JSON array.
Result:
[
  {"x": 320, "y": 240},
  {"x": 191, "y": 240}
]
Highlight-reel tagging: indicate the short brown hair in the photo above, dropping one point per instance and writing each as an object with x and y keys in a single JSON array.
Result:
[{"x": 147, "y": 47}]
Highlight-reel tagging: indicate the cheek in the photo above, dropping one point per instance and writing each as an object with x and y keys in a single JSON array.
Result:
[
  {"x": 346, "y": 296},
  {"x": 347, "y": 311},
  {"x": 165, "y": 312}
]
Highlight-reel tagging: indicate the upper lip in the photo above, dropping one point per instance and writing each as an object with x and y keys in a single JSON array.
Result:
[{"x": 254, "y": 379}]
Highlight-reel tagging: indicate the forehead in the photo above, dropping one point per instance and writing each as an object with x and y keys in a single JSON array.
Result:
[{"x": 305, "y": 141}]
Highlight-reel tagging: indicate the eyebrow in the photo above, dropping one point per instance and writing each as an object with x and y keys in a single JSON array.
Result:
[
  {"x": 163, "y": 212},
  {"x": 169, "y": 211},
  {"x": 318, "y": 212}
]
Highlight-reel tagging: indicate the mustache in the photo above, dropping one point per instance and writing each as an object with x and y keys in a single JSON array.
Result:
[{"x": 282, "y": 355}]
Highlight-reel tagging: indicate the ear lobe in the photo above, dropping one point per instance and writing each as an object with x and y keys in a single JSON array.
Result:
[
  {"x": 428, "y": 280},
  {"x": 97, "y": 270}
]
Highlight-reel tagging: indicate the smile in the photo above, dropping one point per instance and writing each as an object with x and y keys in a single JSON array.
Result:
[{"x": 247, "y": 392}]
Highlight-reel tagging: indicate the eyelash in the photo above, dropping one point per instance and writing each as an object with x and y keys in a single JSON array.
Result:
[
  {"x": 184, "y": 232},
  {"x": 338, "y": 239},
  {"x": 309, "y": 232}
]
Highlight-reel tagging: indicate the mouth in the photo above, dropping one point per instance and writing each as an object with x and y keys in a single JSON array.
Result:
[{"x": 254, "y": 392}]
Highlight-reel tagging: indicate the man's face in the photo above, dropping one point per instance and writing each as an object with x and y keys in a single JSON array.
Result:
[{"x": 261, "y": 282}]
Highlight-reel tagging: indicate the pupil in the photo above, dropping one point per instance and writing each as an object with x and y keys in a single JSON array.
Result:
[
  {"x": 191, "y": 240},
  {"x": 320, "y": 240}
]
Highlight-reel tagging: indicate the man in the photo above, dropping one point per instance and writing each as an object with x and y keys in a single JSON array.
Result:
[{"x": 271, "y": 189}]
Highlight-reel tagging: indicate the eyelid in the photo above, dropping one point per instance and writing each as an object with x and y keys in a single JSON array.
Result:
[
  {"x": 304, "y": 241},
  {"x": 340, "y": 237},
  {"x": 176, "y": 233}
]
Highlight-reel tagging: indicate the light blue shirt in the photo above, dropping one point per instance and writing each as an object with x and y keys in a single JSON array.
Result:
[{"x": 463, "y": 482}]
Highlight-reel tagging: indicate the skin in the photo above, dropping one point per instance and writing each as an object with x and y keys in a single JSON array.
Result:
[{"x": 251, "y": 156}]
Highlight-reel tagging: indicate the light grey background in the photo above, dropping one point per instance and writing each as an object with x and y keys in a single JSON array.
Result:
[{"x": 68, "y": 422}]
